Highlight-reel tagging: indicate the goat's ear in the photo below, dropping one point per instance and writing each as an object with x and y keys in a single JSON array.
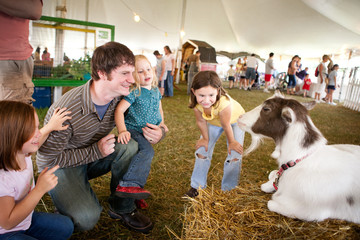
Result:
[
  {"x": 288, "y": 115},
  {"x": 309, "y": 105},
  {"x": 278, "y": 94}
]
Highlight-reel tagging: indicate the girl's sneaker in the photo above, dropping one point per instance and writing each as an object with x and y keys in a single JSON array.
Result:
[{"x": 192, "y": 193}]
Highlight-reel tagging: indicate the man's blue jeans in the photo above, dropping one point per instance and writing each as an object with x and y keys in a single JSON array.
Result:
[
  {"x": 74, "y": 197},
  {"x": 232, "y": 165},
  {"x": 44, "y": 226},
  {"x": 140, "y": 165}
]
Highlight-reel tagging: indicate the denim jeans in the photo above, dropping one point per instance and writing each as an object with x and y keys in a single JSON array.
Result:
[
  {"x": 231, "y": 167},
  {"x": 169, "y": 88},
  {"x": 74, "y": 197},
  {"x": 140, "y": 165},
  {"x": 45, "y": 226}
]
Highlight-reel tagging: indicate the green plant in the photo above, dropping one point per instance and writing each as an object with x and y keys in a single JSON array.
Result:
[
  {"x": 80, "y": 67},
  {"x": 60, "y": 71}
]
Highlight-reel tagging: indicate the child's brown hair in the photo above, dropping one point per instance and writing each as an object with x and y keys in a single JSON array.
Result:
[
  {"x": 204, "y": 79},
  {"x": 17, "y": 126}
]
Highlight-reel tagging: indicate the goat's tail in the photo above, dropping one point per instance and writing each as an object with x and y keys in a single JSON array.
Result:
[{"x": 255, "y": 142}]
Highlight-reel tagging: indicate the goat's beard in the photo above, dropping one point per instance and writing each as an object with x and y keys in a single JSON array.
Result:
[{"x": 255, "y": 142}]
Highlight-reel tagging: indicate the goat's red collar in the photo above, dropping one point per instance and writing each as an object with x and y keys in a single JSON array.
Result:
[{"x": 285, "y": 166}]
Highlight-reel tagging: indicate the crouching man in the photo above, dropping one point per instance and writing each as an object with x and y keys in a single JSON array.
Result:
[{"x": 87, "y": 150}]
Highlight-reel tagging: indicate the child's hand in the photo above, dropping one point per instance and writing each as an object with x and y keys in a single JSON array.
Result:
[
  {"x": 124, "y": 137},
  {"x": 236, "y": 146},
  {"x": 202, "y": 143},
  {"x": 58, "y": 118},
  {"x": 47, "y": 180},
  {"x": 164, "y": 126}
]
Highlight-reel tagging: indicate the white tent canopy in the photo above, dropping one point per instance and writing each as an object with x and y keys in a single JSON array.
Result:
[{"x": 309, "y": 28}]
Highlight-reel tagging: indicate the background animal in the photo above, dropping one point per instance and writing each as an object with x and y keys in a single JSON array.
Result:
[{"x": 323, "y": 182}]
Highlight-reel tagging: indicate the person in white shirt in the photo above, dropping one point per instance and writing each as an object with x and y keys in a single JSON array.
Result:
[
  {"x": 269, "y": 67},
  {"x": 252, "y": 64},
  {"x": 170, "y": 69}
]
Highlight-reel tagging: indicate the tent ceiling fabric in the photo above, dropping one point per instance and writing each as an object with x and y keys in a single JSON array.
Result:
[{"x": 309, "y": 28}]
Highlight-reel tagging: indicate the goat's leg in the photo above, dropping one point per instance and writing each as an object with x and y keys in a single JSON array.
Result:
[
  {"x": 268, "y": 187},
  {"x": 280, "y": 208}
]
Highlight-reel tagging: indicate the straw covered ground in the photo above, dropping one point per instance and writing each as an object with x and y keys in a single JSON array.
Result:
[{"x": 239, "y": 214}]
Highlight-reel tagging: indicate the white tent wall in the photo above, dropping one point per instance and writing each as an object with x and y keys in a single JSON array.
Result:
[
  {"x": 158, "y": 27},
  {"x": 309, "y": 28},
  {"x": 286, "y": 27},
  {"x": 291, "y": 27}
]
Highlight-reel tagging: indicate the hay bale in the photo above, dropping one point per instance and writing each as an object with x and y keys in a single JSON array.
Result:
[{"x": 242, "y": 214}]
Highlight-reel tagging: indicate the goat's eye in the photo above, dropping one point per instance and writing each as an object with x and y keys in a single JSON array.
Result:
[{"x": 266, "y": 109}]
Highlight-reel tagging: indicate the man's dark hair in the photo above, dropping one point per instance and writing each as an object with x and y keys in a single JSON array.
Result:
[{"x": 110, "y": 56}]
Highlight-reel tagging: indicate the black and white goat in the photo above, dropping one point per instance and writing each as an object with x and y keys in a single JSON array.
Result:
[{"x": 315, "y": 181}]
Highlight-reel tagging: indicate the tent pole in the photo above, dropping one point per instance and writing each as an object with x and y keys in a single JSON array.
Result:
[
  {"x": 59, "y": 33},
  {"x": 86, "y": 27},
  {"x": 179, "y": 49}
]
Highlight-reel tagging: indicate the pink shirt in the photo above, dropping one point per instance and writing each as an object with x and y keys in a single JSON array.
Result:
[
  {"x": 14, "y": 38},
  {"x": 17, "y": 184}
]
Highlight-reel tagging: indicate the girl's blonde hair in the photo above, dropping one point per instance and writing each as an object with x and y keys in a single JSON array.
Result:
[
  {"x": 204, "y": 79},
  {"x": 154, "y": 83},
  {"x": 17, "y": 126}
]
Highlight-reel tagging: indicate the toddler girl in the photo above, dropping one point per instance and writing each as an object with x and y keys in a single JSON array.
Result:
[
  {"x": 307, "y": 83},
  {"x": 144, "y": 106},
  {"x": 215, "y": 112},
  {"x": 20, "y": 136}
]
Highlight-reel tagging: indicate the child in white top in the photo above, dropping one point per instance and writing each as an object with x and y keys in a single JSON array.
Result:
[
  {"x": 20, "y": 136},
  {"x": 331, "y": 87},
  {"x": 231, "y": 76}
]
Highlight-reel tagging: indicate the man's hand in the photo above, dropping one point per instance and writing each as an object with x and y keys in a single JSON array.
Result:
[
  {"x": 106, "y": 145},
  {"x": 152, "y": 133}
]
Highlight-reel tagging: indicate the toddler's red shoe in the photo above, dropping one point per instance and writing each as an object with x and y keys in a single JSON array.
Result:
[
  {"x": 132, "y": 192},
  {"x": 141, "y": 204}
]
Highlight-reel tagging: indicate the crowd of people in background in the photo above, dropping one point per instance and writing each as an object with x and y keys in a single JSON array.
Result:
[{"x": 297, "y": 78}]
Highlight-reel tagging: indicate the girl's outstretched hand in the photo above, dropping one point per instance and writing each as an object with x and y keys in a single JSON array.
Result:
[
  {"x": 202, "y": 143},
  {"x": 58, "y": 118},
  {"x": 47, "y": 180},
  {"x": 124, "y": 137},
  {"x": 236, "y": 146}
]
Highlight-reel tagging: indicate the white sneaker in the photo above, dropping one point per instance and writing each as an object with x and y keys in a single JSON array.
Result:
[
  {"x": 266, "y": 91},
  {"x": 332, "y": 103}
]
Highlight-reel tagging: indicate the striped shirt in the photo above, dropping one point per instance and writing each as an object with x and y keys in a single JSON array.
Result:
[{"x": 77, "y": 145}]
